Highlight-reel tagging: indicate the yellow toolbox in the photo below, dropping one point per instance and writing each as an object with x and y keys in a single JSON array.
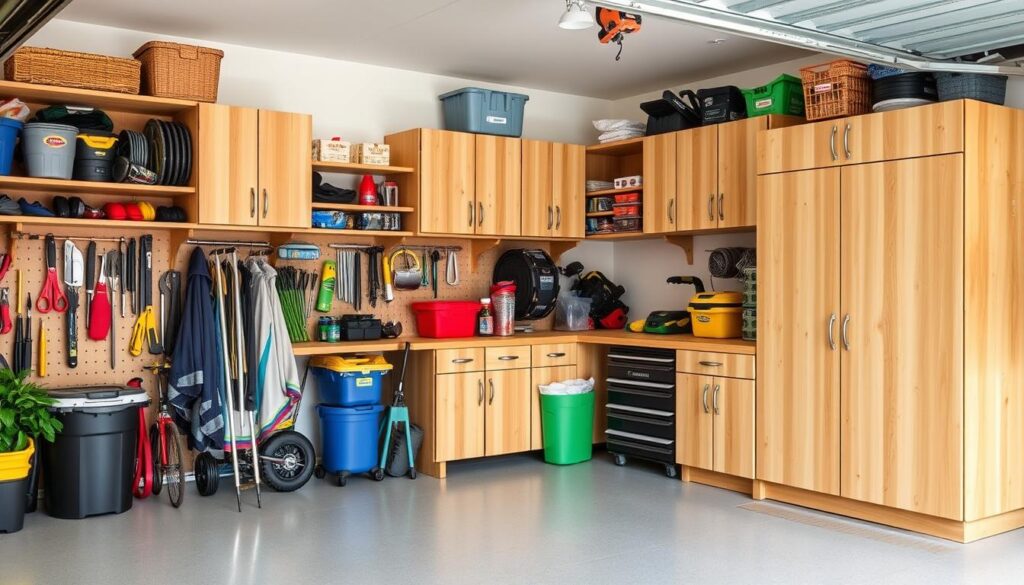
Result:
[{"x": 717, "y": 314}]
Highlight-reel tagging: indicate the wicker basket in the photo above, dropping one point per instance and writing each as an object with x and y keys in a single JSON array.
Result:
[
  {"x": 174, "y": 70},
  {"x": 836, "y": 89},
  {"x": 71, "y": 69}
]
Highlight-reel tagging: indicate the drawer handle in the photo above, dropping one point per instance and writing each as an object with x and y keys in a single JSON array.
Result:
[
  {"x": 556, "y": 354},
  {"x": 710, "y": 364},
  {"x": 462, "y": 360},
  {"x": 508, "y": 358}
]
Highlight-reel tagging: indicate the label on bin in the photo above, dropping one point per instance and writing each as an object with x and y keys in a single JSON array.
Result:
[
  {"x": 822, "y": 87},
  {"x": 363, "y": 382},
  {"x": 763, "y": 103},
  {"x": 54, "y": 141},
  {"x": 496, "y": 120}
]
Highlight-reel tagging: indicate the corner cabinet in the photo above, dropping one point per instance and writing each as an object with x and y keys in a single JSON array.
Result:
[{"x": 254, "y": 169}]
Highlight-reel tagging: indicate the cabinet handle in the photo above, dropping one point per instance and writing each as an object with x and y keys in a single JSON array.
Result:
[
  {"x": 266, "y": 203},
  {"x": 471, "y": 209},
  {"x": 711, "y": 205},
  {"x": 480, "y": 218},
  {"x": 714, "y": 399},
  {"x": 508, "y": 358},
  {"x": 480, "y": 392},
  {"x": 462, "y": 360},
  {"x": 846, "y": 337},
  {"x": 558, "y": 214},
  {"x": 671, "y": 208},
  {"x": 490, "y": 382},
  {"x": 721, "y": 206},
  {"x": 710, "y": 364},
  {"x": 556, "y": 354},
  {"x": 846, "y": 141},
  {"x": 832, "y": 143},
  {"x": 551, "y": 217},
  {"x": 831, "y": 335},
  {"x": 704, "y": 398},
  {"x": 252, "y": 201}
]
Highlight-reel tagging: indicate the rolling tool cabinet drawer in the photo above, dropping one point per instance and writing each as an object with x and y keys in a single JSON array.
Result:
[
  {"x": 633, "y": 373},
  {"x": 641, "y": 421},
  {"x": 643, "y": 446},
  {"x": 508, "y": 358},
  {"x": 456, "y": 361},
  {"x": 554, "y": 354},
  {"x": 729, "y": 365},
  {"x": 651, "y": 395}
]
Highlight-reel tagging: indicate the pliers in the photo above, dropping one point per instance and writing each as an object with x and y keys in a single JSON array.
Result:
[{"x": 5, "y": 310}]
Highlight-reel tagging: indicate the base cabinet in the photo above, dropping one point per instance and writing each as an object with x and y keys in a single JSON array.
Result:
[
  {"x": 715, "y": 424},
  {"x": 459, "y": 416}
]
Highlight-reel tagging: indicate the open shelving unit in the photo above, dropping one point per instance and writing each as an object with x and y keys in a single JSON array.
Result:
[{"x": 359, "y": 169}]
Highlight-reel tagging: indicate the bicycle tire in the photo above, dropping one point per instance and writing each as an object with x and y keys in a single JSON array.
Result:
[
  {"x": 175, "y": 467},
  {"x": 158, "y": 470}
]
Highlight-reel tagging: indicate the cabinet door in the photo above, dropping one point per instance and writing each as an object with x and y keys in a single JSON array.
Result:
[
  {"x": 660, "y": 184},
  {"x": 694, "y": 421},
  {"x": 733, "y": 404},
  {"x": 696, "y": 179},
  {"x": 459, "y": 416},
  {"x": 737, "y": 173},
  {"x": 538, "y": 212},
  {"x": 568, "y": 163},
  {"x": 285, "y": 143},
  {"x": 447, "y": 182},
  {"x": 228, "y": 170},
  {"x": 540, "y": 377},
  {"x": 902, "y": 358},
  {"x": 797, "y": 366},
  {"x": 508, "y": 412},
  {"x": 912, "y": 132},
  {"x": 805, "y": 146},
  {"x": 498, "y": 185}
]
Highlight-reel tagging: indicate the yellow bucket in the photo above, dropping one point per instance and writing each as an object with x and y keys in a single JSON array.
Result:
[{"x": 16, "y": 465}]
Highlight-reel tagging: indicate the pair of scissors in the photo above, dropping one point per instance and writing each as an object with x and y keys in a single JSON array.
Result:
[{"x": 52, "y": 296}]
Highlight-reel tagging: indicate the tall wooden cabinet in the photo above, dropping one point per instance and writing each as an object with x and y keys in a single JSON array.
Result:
[
  {"x": 889, "y": 351},
  {"x": 255, "y": 167},
  {"x": 553, "y": 182}
]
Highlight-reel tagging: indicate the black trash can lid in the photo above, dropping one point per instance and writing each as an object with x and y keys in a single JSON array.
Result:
[{"x": 91, "y": 397}]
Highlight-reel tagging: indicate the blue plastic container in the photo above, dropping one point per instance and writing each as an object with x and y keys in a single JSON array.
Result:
[
  {"x": 9, "y": 129},
  {"x": 349, "y": 437},
  {"x": 484, "y": 111},
  {"x": 349, "y": 388}
]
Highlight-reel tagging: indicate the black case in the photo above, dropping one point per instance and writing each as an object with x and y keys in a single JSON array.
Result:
[
  {"x": 360, "y": 328},
  {"x": 722, "y": 104},
  {"x": 672, "y": 113}
]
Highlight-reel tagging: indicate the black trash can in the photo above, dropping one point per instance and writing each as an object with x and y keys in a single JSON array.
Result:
[{"x": 89, "y": 467}]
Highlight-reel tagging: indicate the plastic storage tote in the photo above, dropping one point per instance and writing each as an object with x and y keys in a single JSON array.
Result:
[
  {"x": 782, "y": 95},
  {"x": 483, "y": 111},
  {"x": 9, "y": 129},
  {"x": 350, "y": 439},
  {"x": 349, "y": 381},
  {"x": 88, "y": 468},
  {"x": 49, "y": 150},
  {"x": 567, "y": 422},
  {"x": 440, "y": 319},
  {"x": 717, "y": 314}
]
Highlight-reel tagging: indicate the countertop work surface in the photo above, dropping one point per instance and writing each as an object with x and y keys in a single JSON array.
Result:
[{"x": 596, "y": 337}]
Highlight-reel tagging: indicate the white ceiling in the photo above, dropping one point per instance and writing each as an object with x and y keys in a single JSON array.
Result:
[{"x": 515, "y": 42}]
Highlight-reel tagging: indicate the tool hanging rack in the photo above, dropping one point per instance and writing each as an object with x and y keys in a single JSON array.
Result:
[{"x": 229, "y": 243}]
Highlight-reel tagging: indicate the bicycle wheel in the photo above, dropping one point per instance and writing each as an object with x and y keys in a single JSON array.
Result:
[
  {"x": 175, "y": 467},
  {"x": 158, "y": 470}
]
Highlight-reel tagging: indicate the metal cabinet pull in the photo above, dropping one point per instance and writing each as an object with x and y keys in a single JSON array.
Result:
[
  {"x": 556, "y": 354},
  {"x": 671, "y": 209},
  {"x": 832, "y": 143},
  {"x": 710, "y": 364},
  {"x": 551, "y": 217},
  {"x": 831, "y": 335},
  {"x": 846, "y": 141},
  {"x": 846, "y": 337},
  {"x": 714, "y": 399},
  {"x": 721, "y": 206},
  {"x": 471, "y": 214},
  {"x": 558, "y": 215},
  {"x": 508, "y": 358},
  {"x": 480, "y": 218},
  {"x": 266, "y": 203},
  {"x": 704, "y": 398},
  {"x": 490, "y": 382},
  {"x": 711, "y": 204},
  {"x": 462, "y": 360},
  {"x": 252, "y": 201},
  {"x": 480, "y": 392}
]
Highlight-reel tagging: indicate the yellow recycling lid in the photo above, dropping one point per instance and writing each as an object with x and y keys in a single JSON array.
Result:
[{"x": 363, "y": 365}]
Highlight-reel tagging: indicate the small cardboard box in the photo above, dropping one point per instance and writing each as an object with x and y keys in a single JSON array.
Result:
[
  {"x": 332, "y": 150},
  {"x": 369, "y": 153},
  {"x": 629, "y": 182}
]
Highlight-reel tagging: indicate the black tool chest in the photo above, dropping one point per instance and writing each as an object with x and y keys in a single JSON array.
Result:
[{"x": 641, "y": 405}]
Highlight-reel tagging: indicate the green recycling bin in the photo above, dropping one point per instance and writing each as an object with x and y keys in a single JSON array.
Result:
[{"x": 567, "y": 422}]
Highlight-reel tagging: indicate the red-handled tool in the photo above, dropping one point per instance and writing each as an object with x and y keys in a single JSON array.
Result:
[
  {"x": 5, "y": 265},
  {"x": 99, "y": 308},
  {"x": 5, "y": 311},
  {"x": 52, "y": 296}
]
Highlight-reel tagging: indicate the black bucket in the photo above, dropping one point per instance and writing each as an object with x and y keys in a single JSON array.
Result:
[{"x": 94, "y": 156}]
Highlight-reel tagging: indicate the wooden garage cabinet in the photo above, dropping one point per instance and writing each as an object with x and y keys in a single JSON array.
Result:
[
  {"x": 255, "y": 167},
  {"x": 466, "y": 184},
  {"x": 703, "y": 178},
  {"x": 888, "y": 349},
  {"x": 553, "y": 183}
]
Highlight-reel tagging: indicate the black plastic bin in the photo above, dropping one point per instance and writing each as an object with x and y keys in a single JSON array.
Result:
[
  {"x": 89, "y": 467},
  {"x": 14, "y": 495}
]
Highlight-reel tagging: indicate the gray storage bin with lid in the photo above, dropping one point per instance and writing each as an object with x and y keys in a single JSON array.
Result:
[
  {"x": 49, "y": 149},
  {"x": 88, "y": 469},
  {"x": 484, "y": 111}
]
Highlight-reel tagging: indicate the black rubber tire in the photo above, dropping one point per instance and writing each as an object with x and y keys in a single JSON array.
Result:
[
  {"x": 620, "y": 460},
  {"x": 207, "y": 474},
  {"x": 319, "y": 472},
  {"x": 175, "y": 467},
  {"x": 377, "y": 474},
  {"x": 412, "y": 473},
  {"x": 670, "y": 471},
  {"x": 342, "y": 479},
  {"x": 295, "y": 447},
  {"x": 154, "y": 448}
]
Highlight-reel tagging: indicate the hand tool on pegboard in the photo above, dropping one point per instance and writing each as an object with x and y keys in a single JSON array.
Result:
[
  {"x": 42, "y": 350},
  {"x": 170, "y": 308},
  {"x": 131, "y": 276},
  {"x": 122, "y": 271},
  {"x": 26, "y": 350},
  {"x": 5, "y": 265},
  {"x": 73, "y": 275},
  {"x": 5, "y": 311},
  {"x": 112, "y": 260},
  {"x": 435, "y": 259},
  {"x": 99, "y": 306},
  {"x": 144, "y": 332},
  {"x": 90, "y": 280},
  {"x": 51, "y": 296}
]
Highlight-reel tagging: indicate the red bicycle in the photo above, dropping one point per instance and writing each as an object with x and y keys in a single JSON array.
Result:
[{"x": 165, "y": 441}]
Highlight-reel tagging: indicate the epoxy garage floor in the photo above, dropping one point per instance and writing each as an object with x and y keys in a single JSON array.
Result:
[{"x": 509, "y": 520}]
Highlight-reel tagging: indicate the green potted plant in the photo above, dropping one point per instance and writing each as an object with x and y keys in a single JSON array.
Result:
[{"x": 24, "y": 417}]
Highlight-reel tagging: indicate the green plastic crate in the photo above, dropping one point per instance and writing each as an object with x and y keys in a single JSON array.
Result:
[{"x": 783, "y": 95}]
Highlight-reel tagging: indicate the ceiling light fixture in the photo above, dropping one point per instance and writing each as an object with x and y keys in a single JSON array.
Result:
[
  {"x": 576, "y": 16},
  {"x": 716, "y": 41}
]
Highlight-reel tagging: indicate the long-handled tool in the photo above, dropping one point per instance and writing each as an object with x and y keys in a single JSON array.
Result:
[
  {"x": 229, "y": 394},
  {"x": 42, "y": 350},
  {"x": 131, "y": 276},
  {"x": 170, "y": 308},
  {"x": 144, "y": 332},
  {"x": 122, "y": 277},
  {"x": 73, "y": 274},
  {"x": 27, "y": 350},
  {"x": 113, "y": 271},
  {"x": 398, "y": 413},
  {"x": 90, "y": 280},
  {"x": 249, "y": 405}
]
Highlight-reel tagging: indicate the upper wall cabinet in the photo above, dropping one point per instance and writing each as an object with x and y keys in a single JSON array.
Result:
[
  {"x": 553, "y": 183},
  {"x": 255, "y": 167}
]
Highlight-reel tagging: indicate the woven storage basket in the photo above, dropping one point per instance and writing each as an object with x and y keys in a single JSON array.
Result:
[
  {"x": 174, "y": 70},
  {"x": 71, "y": 69},
  {"x": 836, "y": 89}
]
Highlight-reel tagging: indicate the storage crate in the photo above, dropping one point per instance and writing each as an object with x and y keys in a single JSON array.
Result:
[
  {"x": 633, "y": 197},
  {"x": 749, "y": 329},
  {"x": 628, "y": 225},
  {"x": 73, "y": 69},
  {"x": 750, "y": 287},
  {"x": 600, "y": 204},
  {"x": 783, "y": 95},
  {"x": 174, "y": 70},
  {"x": 836, "y": 89},
  {"x": 483, "y": 111},
  {"x": 626, "y": 210},
  {"x": 332, "y": 150},
  {"x": 972, "y": 86}
]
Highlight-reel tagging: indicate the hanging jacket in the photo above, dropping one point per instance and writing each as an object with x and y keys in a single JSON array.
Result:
[{"x": 196, "y": 377}]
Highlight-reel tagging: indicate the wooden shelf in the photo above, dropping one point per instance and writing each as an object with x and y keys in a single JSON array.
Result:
[
  {"x": 362, "y": 208},
  {"x": 353, "y": 233},
  {"x": 614, "y": 192},
  {"x": 620, "y": 148},
  {"x": 354, "y": 168},
  {"x": 105, "y": 100},
  {"x": 31, "y": 220},
  {"x": 621, "y": 236},
  {"x": 601, "y": 214},
  {"x": 92, "y": 187}
]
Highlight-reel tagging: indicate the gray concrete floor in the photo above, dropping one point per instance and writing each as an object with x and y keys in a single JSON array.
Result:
[{"x": 510, "y": 520}]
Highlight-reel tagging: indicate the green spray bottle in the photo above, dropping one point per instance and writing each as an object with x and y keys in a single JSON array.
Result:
[{"x": 328, "y": 278}]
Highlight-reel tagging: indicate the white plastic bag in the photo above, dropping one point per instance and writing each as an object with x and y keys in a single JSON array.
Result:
[{"x": 568, "y": 387}]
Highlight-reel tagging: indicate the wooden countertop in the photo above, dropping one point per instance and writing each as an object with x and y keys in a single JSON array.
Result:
[{"x": 597, "y": 337}]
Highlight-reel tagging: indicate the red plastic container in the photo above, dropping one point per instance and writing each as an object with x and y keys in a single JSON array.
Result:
[
  {"x": 440, "y": 319},
  {"x": 628, "y": 197}
]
